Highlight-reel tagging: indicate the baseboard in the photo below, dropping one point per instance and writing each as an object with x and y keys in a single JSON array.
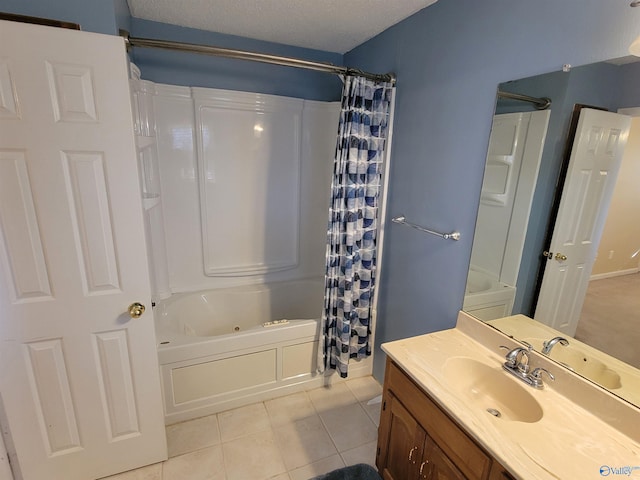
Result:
[{"x": 618, "y": 273}]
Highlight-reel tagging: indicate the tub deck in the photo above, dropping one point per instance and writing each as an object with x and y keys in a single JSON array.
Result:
[{"x": 204, "y": 374}]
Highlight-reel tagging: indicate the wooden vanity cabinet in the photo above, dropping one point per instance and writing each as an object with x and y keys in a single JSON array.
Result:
[
  {"x": 417, "y": 440},
  {"x": 498, "y": 472}
]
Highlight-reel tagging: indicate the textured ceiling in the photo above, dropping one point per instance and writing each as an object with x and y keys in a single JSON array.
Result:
[{"x": 329, "y": 25}]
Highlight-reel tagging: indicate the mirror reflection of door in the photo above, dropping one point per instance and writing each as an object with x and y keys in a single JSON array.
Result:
[
  {"x": 610, "y": 312},
  {"x": 595, "y": 159}
]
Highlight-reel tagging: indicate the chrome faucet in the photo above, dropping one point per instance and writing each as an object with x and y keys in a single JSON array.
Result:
[
  {"x": 536, "y": 376},
  {"x": 517, "y": 364},
  {"x": 518, "y": 359},
  {"x": 548, "y": 345}
]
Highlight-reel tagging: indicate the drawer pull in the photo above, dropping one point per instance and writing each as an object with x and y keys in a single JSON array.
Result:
[
  {"x": 422, "y": 468},
  {"x": 411, "y": 454}
]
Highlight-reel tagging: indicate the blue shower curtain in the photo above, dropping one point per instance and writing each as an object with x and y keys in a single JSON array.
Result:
[{"x": 353, "y": 222}]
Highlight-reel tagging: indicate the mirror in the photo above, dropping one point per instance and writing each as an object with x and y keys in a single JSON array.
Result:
[{"x": 519, "y": 198}]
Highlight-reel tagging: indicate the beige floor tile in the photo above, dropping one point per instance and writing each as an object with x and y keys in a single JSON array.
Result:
[
  {"x": 331, "y": 397},
  {"x": 373, "y": 411},
  {"x": 365, "y": 388},
  {"x": 317, "y": 468},
  {"x": 363, "y": 454},
  {"x": 192, "y": 435},
  {"x": 349, "y": 426},
  {"x": 243, "y": 421},
  {"x": 282, "y": 476},
  {"x": 289, "y": 409},
  {"x": 205, "y": 464},
  {"x": 254, "y": 457},
  {"x": 151, "y": 472},
  {"x": 304, "y": 442}
]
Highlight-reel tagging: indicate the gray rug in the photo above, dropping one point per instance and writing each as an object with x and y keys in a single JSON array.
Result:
[{"x": 360, "y": 471}]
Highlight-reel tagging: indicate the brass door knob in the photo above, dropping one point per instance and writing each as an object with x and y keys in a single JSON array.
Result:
[
  {"x": 560, "y": 257},
  {"x": 136, "y": 310}
]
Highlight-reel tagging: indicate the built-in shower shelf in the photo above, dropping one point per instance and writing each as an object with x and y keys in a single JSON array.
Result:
[
  {"x": 150, "y": 201},
  {"x": 144, "y": 141}
]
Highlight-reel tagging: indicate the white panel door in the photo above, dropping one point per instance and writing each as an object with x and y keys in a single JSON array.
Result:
[
  {"x": 79, "y": 376},
  {"x": 593, "y": 167}
]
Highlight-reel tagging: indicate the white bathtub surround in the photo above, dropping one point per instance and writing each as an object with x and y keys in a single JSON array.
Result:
[
  {"x": 243, "y": 185},
  {"x": 265, "y": 188},
  {"x": 486, "y": 297},
  {"x": 248, "y": 151},
  {"x": 144, "y": 126},
  {"x": 216, "y": 353}
]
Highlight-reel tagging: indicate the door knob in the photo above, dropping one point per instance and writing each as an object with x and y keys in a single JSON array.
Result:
[
  {"x": 136, "y": 310},
  {"x": 560, "y": 257},
  {"x": 547, "y": 254}
]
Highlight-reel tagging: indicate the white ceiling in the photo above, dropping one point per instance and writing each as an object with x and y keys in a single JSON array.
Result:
[{"x": 329, "y": 25}]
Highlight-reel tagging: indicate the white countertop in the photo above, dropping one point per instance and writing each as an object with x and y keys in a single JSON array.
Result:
[{"x": 568, "y": 443}]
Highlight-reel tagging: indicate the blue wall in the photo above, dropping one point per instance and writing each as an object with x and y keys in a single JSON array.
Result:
[
  {"x": 629, "y": 91},
  {"x": 449, "y": 58}
]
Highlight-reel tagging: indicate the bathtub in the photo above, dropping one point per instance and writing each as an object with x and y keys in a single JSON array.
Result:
[
  {"x": 224, "y": 348},
  {"x": 486, "y": 298}
]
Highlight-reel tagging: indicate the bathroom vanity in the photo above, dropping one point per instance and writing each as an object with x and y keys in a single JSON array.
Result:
[
  {"x": 437, "y": 447},
  {"x": 450, "y": 411}
]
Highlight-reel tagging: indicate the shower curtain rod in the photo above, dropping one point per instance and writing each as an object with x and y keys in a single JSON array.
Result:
[
  {"x": 540, "y": 103},
  {"x": 253, "y": 56}
]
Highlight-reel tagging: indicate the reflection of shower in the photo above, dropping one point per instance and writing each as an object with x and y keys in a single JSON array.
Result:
[{"x": 511, "y": 172}]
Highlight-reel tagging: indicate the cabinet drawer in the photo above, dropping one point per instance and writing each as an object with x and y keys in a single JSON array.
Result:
[{"x": 460, "y": 448}]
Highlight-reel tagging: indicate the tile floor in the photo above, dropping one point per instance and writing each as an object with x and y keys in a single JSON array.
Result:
[{"x": 289, "y": 438}]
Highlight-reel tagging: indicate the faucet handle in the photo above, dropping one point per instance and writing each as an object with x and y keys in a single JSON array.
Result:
[
  {"x": 512, "y": 357},
  {"x": 527, "y": 344},
  {"x": 536, "y": 376}
]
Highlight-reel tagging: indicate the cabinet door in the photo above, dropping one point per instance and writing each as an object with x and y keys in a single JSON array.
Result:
[
  {"x": 498, "y": 472},
  {"x": 400, "y": 442},
  {"x": 436, "y": 465},
  {"x": 460, "y": 449}
]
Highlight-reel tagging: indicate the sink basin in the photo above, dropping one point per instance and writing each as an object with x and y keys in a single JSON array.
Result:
[
  {"x": 581, "y": 363},
  {"x": 492, "y": 389}
]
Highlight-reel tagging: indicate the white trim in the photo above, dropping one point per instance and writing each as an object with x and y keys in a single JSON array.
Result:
[
  {"x": 632, "y": 111},
  {"x": 382, "y": 215},
  {"x": 617, "y": 273}
]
